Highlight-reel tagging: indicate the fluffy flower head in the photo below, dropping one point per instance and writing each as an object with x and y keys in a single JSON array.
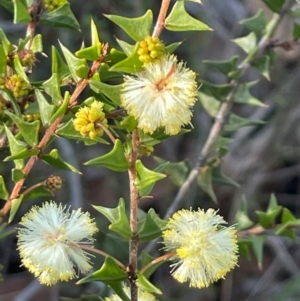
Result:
[
  {"x": 91, "y": 120},
  {"x": 204, "y": 249},
  {"x": 49, "y": 242},
  {"x": 142, "y": 296},
  {"x": 161, "y": 95}
]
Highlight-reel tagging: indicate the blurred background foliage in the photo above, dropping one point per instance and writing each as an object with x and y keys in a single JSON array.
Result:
[{"x": 263, "y": 159}]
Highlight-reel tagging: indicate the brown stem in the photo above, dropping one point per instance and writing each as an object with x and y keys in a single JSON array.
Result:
[
  {"x": 160, "y": 23},
  {"x": 157, "y": 260},
  {"x": 134, "y": 198},
  {"x": 252, "y": 231},
  {"x": 50, "y": 132},
  {"x": 35, "y": 10},
  {"x": 102, "y": 253},
  {"x": 107, "y": 131}
]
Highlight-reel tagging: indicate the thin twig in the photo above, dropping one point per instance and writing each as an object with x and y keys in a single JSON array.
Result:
[
  {"x": 160, "y": 23},
  {"x": 134, "y": 198},
  {"x": 49, "y": 134}
]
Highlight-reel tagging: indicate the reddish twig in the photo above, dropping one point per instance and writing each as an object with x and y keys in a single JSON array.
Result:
[{"x": 160, "y": 23}]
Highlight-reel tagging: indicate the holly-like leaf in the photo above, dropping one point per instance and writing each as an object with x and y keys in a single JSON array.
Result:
[
  {"x": 131, "y": 64},
  {"x": 243, "y": 95},
  {"x": 180, "y": 20},
  {"x": 146, "y": 286},
  {"x": 205, "y": 182},
  {"x": 15, "y": 147},
  {"x": 289, "y": 225},
  {"x": 150, "y": 227},
  {"x": 257, "y": 23},
  {"x": 46, "y": 109},
  {"x": 21, "y": 14},
  {"x": 37, "y": 44},
  {"x": 136, "y": 28},
  {"x": 61, "y": 17},
  {"x": 62, "y": 109},
  {"x": 54, "y": 159},
  {"x": 146, "y": 178},
  {"x": 111, "y": 91},
  {"x": 59, "y": 67},
  {"x": 262, "y": 64},
  {"x": 24, "y": 153},
  {"x": 126, "y": 47},
  {"x": 114, "y": 160},
  {"x": 118, "y": 219},
  {"x": 247, "y": 43},
  {"x": 274, "y": 5},
  {"x": 15, "y": 204},
  {"x": 17, "y": 174},
  {"x": 224, "y": 66},
  {"x": 8, "y": 4},
  {"x": 29, "y": 130},
  {"x": 3, "y": 191},
  {"x": 177, "y": 172},
  {"x": 5, "y": 41},
  {"x": 236, "y": 122},
  {"x": 52, "y": 88},
  {"x": 242, "y": 220},
  {"x": 219, "y": 177},
  {"x": 78, "y": 67},
  {"x": 267, "y": 218},
  {"x": 109, "y": 273},
  {"x": 257, "y": 244}
]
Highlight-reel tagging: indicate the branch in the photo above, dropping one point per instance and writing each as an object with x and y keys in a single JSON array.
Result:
[
  {"x": 160, "y": 23},
  {"x": 50, "y": 133}
]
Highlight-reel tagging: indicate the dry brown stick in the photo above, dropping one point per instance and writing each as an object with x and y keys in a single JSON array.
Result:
[{"x": 50, "y": 132}]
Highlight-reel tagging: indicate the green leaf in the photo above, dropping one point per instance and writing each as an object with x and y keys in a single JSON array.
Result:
[
  {"x": 243, "y": 95},
  {"x": 17, "y": 175},
  {"x": 146, "y": 178},
  {"x": 151, "y": 264},
  {"x": 21, "y": 14},
  {"x": 146, "y": 286},
  {"x": 90, "y": 53},
  {"x": 54, "y": 159},
  {"x": 15, "y": 204},
  {"x": 15, "y": 146},
  {"x": 205, "y": 182},
  {"x": 131, "y": 64},
  {"x": 248, "y": 42},
  {"x": 20, "y": 69},
  {"x": 177, "y": 172},
  {"x": 59, "y": 66},
  {"x": 274, "y": 5},
  {"x": 29, "y": 131},
  {"x": 262, "y": 64},
  {"x": 109, "y": 273},
  {"x": 242, "y": 219},
  {"x": 24, "y": 153},
  {"x": 8, "y": 95},
  {"x": 62, "y": 109},
  {"x": 224, "y": 66},
  {"x": 244, "y": 250},
  {"x": 5, "y": 41},
  {"x": 114, "y": 160},
  {"x": 296, "y": 31},
  {"x": 94, "y": 34},
  {"x": 68, "y": 131},
  {"x": 257, "y": 243},
  {"x": 219, "y": 177},
  {"x": 209, "y": 103},
  {"x": 267, "y": 218},
  {"x": 172, "y": 47},
  {"x": 180, "y": 20},
  {"x": 3, "y": 191},
  {"x": 37, "y": 43},
  {"x": 75, "y": 64},
  {"x": 126, "y": 47},
  {"x": 61, "y": 17},
  {"x": 3, "y": 61},
  {"x": 289, "y": 225},
  {"x": 257, "y": 23},
  {"x": 218, "y": 91},
  {"x": 136, "y": 28},
  {"x": 111, "y": 91},
  {"x": 151, "y": 227},
  {"x": 45, "y": 108},
  {"x": 236, "y": 122},
  {"x": 52, "y": 88},
  {"x": 118, "y": 218}
]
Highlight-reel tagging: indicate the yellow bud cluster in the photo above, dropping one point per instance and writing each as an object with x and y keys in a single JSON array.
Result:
[
  {"x": 51, "y": 5},
  {"x": 32, "y": 117},
  {"x": 17, "y": 85},
  {"x": 151, "y": 50},
  {"x": 91, "y": 120}
]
